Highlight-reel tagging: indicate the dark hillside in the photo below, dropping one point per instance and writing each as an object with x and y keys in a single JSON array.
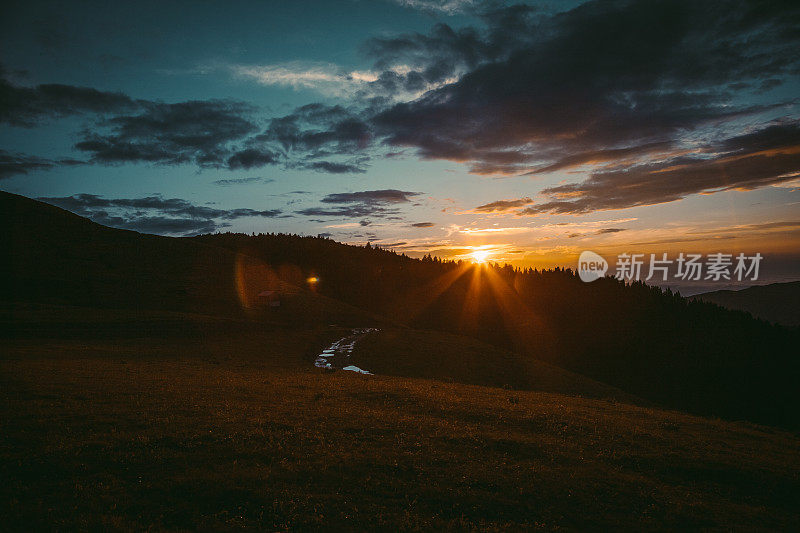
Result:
[
  {"x": 777, "y": 302},
  {"x": 655, "y": 344},
  {"x": 56, "y": 257}
]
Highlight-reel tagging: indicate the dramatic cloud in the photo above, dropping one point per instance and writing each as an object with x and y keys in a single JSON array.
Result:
[
  {"x": 154, "y": 214},
  {"x": 209, "y": 133},
  {"x": 605, "y": 81},
  {"x": 423, "y": 225},
  {"x": 503, "y": 205},
  {"x": 12, "y": 164},
  {"x": 362, "y": 204},
  {"x": 315, "y": 127},
  {"x": 198, "y": 131},
  {"x": 634, "y": 92},
  {"x": 31, "y": 106},
  {"x": 769, "y": 156},
  {"x": 317, "y": 137}
]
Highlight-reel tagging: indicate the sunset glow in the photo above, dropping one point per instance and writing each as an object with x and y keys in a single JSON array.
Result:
[
  {"x": 527, "y": 166},
  {"x": 480, "y": 256}
]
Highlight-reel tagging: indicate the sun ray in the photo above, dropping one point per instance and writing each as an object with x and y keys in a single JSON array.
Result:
[
  {"x": 410, "y": 305},
  {"x": 525, "y": 327}
]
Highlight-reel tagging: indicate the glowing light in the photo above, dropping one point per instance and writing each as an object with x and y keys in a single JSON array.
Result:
[
  {"x": 313, "y": 280},
  {"x": 480, "y": 256}
]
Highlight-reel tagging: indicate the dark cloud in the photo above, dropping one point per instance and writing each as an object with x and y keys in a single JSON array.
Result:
[
  {"x": 503, "y": 205},
  {"x": 194, "y": 131},
  {"x": 616, "y": 84},
  {"x": 434, "y": 57},
  {"x": 311, "y": 135},
  {"x": 606, "y": 231},
  {"x": 314, "y": 127},
  {"x": 154, "y": 214},
  {"x": 383, "y": 196},
  {"x": 354, "y": 211},
  {"x": 605, "y": 80},
  {"x": 241, "y": 181},
  {"x": 362, "y": 204},
  {"x": 200, "y": 132},
  {"x": 603, "y": 156},
  {"x": 31, "y": 106},
  {"x": 252, "y": 158},
  {"x": 13, "y": 163},
  {"x": 423, "y": 225},
  {"x": 446, "y": 53},
  {"x": 765, "y": 157},
  {"x": 336, "y": 168}
]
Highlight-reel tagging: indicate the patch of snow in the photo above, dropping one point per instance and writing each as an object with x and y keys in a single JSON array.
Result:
[
  {"x": 353, "y": 368},
  {"x": 343, "y": 348}
]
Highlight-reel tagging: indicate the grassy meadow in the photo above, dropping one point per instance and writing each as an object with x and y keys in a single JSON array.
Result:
[{"x": 117, "y": 430}]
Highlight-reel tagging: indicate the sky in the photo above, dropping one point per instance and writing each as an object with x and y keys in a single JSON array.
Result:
[{"x": 530, "y": 131}]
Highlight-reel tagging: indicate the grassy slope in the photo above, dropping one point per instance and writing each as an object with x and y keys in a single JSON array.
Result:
[
  {"x": 434, "y": 355},
  {"x": 112, "y": 436},
  {"x": 131, "y": 425}
]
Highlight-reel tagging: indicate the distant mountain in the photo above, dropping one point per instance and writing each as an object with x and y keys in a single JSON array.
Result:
[{"x": 777, "y": 302}]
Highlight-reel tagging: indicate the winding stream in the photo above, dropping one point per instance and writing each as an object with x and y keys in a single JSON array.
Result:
[{"x": 337, "y": 355}]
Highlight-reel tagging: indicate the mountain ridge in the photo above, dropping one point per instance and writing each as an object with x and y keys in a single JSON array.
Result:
[{"x": 775, "y": 302}]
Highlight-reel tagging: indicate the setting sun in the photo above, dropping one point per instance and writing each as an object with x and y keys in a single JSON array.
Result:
[{"x": 480, "y": 256}]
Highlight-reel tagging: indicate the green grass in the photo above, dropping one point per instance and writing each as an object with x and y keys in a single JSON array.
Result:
[{"x": 231, "y": 431}]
